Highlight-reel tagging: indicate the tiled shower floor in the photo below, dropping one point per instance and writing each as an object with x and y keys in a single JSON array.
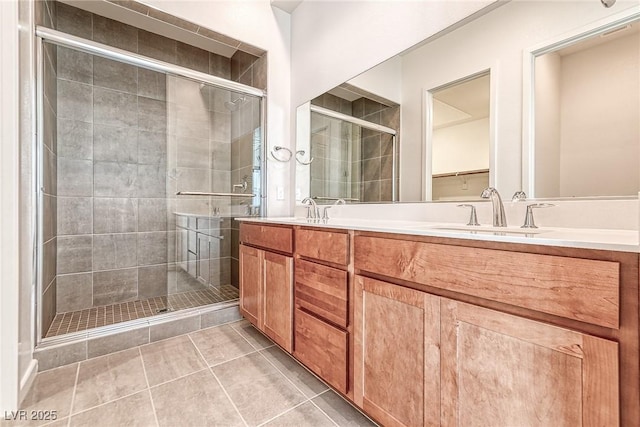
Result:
[{"x": 81, "y": 320}]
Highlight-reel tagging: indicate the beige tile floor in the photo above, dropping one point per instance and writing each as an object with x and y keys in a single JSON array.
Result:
[{"x": 229, "y": 375}]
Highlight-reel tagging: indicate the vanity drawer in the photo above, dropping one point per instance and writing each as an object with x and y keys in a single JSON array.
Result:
[
  {"x": 323, "y": 291},
  {"x": 575, "y": 288},
  {"x": 330, "y": 246},
  {"x": 267, "y": 236},
  {"x": 323, "y": 349}
]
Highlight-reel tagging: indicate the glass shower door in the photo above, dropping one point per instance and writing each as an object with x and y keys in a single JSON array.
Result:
[{"x": 118, "y": 143}]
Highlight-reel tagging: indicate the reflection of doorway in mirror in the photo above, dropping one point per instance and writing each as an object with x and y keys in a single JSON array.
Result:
[
  {"x": 587, "y": 116},
  {"x": 460, "y": 138}
]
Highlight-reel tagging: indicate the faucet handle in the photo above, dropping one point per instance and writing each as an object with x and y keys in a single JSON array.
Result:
[
  {"x": 325, "y": 215},
  {"x": 308, "y": 212},
  {"x": 473, "y": 218},
  {"x": 518, "y": 196},
  {"x": 528, "y": 219}
]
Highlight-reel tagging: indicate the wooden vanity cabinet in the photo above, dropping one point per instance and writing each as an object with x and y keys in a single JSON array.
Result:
[
  {"x": 497, "y": 364},
  {"x": 421, "y": 331},
  {"x": 266, "y": 281},
  {"x": 321, "y": 318},
  {"x": 425, "y": 360}
]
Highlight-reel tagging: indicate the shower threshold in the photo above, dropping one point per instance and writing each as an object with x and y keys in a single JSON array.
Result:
[{"x": 81, "y": 320}]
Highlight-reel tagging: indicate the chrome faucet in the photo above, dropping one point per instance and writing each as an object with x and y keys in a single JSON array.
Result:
[
  {"x": 312, "y": 210},
  {"x": 325, "y": 215},
  {"x": 499, "y": 218}
]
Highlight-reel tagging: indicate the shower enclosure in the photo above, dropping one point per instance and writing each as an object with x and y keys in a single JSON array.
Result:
[{"x": 143, "y": 164}]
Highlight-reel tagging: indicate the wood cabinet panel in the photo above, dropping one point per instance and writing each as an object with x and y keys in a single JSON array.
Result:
[
  {"x": 323, "y": 349},
  {"x": 396, "y": 353},
  {"x": 499, "y": 369},
  {"x": 251, "y": 261},
  {"x": 579, "y": 289},
  {"x": 278, "y": 299},
  {"x": 323, "y": 291},
  {"x": 267, "y": 236},
  {"x": 327, "y": 246}
]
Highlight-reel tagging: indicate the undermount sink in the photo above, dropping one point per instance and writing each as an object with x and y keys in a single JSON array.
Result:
[{"x": 498, "y": 231}]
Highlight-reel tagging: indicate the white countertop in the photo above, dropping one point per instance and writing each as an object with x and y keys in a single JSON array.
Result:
[{"x": 613, "y": 240}]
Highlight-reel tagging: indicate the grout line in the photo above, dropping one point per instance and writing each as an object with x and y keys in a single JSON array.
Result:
[
  {"x": 346, "y": 401},
  {"x": 73, "y": 396},
  {"x": 197, "y": 349},
  {"x": 284, "y": 412},
  {"x": 107, "y": 403},
  {"x": 320, "y": 409},
  {"x": 234, "y": 358},
  {"x": 329, "y": 389},
  {"x": 224, "y": 390},
  {"x": 219, "y": 382},
  {"x": 246, "y": 339},
  {"x": 144, "y": 371},
  {"x": 179, "y": 378},
  {"x": 284, "y": 375}
]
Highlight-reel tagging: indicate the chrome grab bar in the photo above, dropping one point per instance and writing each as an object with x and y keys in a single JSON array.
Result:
[{"x": 199, "y": 193}]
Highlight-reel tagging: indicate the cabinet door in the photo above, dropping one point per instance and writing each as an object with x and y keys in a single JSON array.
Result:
[
  {"x": 396, "y": 353},
  {"x": 504, "y": 370},
  {"x": 278, "y": 299},
  {"x": 251, "y": 260}
]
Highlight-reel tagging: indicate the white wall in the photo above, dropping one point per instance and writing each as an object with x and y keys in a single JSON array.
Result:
[
  {"x": 16, "y": 207},
  {"x": 334, "y": 41},
  {"x": 495, "y": 40},
  {"x": 462, "y": 147},
  {"x": 9, "y": 207},
  {"x": 384, "y": 80},
  {"x": 257, "y": 23},
  {"x": 600, "y": 115}
]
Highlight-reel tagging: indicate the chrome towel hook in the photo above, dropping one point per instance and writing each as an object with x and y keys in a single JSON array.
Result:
[
  {"x": 302, "y": 162},
  {"x": 278, "y": 148}
]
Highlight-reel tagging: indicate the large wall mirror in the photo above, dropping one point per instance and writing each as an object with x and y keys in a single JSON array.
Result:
[
  {"x": 584, "y": 119},
  {"x": 468, "y": 113}
]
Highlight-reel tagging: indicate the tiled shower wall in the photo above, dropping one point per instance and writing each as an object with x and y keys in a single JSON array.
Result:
[
  {"x": 373, "y": 157},
  {"x": 118, "y": 157},
  {"x": 377, "y": 149}
]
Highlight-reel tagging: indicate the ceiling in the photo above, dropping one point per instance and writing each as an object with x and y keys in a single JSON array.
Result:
[{"x": 461, "y": 102}]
